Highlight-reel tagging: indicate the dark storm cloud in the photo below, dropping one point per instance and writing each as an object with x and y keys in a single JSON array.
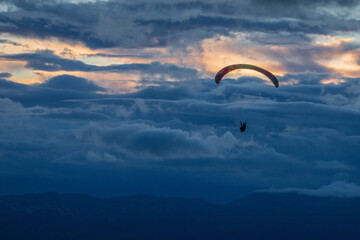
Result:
[
  {"x": 160, "y": 23},
  {"x": 46, "y": 60}
]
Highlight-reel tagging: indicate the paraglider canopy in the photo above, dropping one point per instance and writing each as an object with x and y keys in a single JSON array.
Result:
[{"x": 230, "y": 68}]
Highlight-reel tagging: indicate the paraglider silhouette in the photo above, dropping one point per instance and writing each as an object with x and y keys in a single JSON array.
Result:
[
  {"x": 233, "y": 67},
  {"x": 242, "y": 126}
]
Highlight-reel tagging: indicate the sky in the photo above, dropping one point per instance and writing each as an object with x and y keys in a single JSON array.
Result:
[{"x": 118, "y": 97}]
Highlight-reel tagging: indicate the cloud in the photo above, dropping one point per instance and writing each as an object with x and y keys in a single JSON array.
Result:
[
  {"x": 46, "y": 60},
  {"x": 348, "y": 3},
  {"x": 10, "y": 108},
  {"x": 53, "y": 92},
  {"x": 334, "y": 189},
  {"x": 5, "y": 41},
  {"x": 151, "y": 142},
  {"x": 335, "y": 165},
  {"x": 183, "y": 132},
  {"x": 104, "y": 157},
  {"x": 106, "y": 24},
  {"x": 5, "y": 75},
  {"x": 188, "y": 129},
  {"x": 70, "y": 82}
]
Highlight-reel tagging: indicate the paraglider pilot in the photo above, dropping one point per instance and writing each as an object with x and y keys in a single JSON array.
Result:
[{"x": 242, "y": 126}]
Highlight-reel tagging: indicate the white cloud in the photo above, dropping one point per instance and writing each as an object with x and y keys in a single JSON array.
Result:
[{"x": 7, "y": 7}]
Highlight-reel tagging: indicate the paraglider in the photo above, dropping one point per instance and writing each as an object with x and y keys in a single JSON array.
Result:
[
  {"x": 230, "y": 68},
  {"x": 233, "y": 67},
  {"x": 242, "y": 126}
]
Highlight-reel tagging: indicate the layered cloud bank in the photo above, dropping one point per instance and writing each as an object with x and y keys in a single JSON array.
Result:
[
  {"x": 298, "y": 135},
  {"x": 335, "y": 189},
  {"x": 118, "y": 97}
]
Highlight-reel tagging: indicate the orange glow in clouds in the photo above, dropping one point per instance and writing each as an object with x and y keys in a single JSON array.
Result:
[
  {"x": 224, "y": 51},
  {"x": 335, "y": 57},
  {"x": 18, "y": 72},
  {"x": 333, "y": 81},
  {"x": 214, "y": 54}
]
